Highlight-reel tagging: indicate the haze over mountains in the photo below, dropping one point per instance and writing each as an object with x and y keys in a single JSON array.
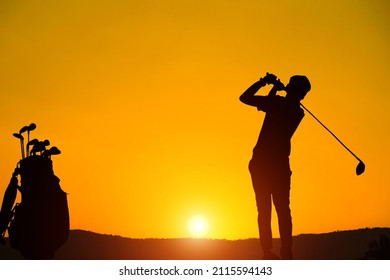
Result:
[{"x": 341, "y": 245}]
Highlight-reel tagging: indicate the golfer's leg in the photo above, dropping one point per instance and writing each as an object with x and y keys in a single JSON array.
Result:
[
  {"x": 264, "y": 208},
  {"x": 281, "y": 201},
  {"x": 260, "y": 182}
]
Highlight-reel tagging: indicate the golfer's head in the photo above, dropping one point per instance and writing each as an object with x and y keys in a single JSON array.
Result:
[{"x": 298, "y": 87}]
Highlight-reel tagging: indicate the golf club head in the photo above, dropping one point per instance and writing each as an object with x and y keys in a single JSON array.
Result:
[
  {"x": 45, "y": 143},
  {"x": 32, "y": 142},
  {"x": 51, "y": 152},
  {"x": 54, "y": 151},
  {"x": 32, "y": 126},
  {"x": 38, "y": 147},
  {"x": 17, "y": 135},
  {"x": 360, "y": 168},
  {"x": 23, "y": 129}
]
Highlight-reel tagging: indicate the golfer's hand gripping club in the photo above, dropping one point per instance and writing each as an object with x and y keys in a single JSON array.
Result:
[{"x": 273, "y": 80}]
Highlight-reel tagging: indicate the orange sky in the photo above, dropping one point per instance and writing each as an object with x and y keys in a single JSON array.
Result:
[{"x": 142, "y": 99}]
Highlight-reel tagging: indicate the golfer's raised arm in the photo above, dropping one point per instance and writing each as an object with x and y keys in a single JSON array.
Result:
[{"x": 249, "y": 97}]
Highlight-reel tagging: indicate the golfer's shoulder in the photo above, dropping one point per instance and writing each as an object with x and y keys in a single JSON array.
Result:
[{"x": 292, "y": 107}]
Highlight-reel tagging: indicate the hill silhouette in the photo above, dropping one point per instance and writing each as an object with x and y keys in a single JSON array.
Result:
[{"x": 340, "y": 245}]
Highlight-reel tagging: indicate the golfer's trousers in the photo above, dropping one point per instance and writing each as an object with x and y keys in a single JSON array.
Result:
[{"x": 271, "y": 183}]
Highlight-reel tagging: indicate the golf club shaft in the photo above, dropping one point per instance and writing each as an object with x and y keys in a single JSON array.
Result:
[
  {"x": 22, "y": 148},
  {"x": 27, "y": 146},
  {"x": 330, "y": 132}
]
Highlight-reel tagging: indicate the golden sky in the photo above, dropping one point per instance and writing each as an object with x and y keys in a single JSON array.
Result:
[{"x": 141, "y": 97}]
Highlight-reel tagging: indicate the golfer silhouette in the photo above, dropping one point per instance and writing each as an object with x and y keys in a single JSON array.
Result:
[{"x": 269, "y": 166}]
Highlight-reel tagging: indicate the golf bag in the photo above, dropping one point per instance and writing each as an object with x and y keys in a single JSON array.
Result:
[
  {"x": 7, "y": 212},
  {"x": 39, "y": 224}
]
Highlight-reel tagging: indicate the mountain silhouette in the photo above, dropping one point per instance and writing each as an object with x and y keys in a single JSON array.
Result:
[{"x": 340, "y": 245}]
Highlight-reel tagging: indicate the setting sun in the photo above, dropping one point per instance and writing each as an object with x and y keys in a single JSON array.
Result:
[{"x": 198, "y": 226}]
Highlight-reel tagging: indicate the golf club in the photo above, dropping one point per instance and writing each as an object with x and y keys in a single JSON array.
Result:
[
  {"x": 51, "y": 152},
  {"x": 31, "y": 127},
  {"x": 21, "y": 131},
  {"x": 39, "y": 146},
  {"x": 21, "y": 138},
  {"x": 361, "y": 166},
  {"x": 46, "y": 143},
  {"x": 31, "y": 143}
]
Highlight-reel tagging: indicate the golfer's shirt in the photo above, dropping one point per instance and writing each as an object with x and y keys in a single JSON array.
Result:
[{"x": 281, "y": 120}]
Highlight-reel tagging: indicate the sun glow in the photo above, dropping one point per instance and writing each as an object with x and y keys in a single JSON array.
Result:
[{"x": 198, "y": 226}]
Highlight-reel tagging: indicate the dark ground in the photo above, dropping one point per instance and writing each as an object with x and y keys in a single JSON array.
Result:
[{"x": 341, "y": 245}]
